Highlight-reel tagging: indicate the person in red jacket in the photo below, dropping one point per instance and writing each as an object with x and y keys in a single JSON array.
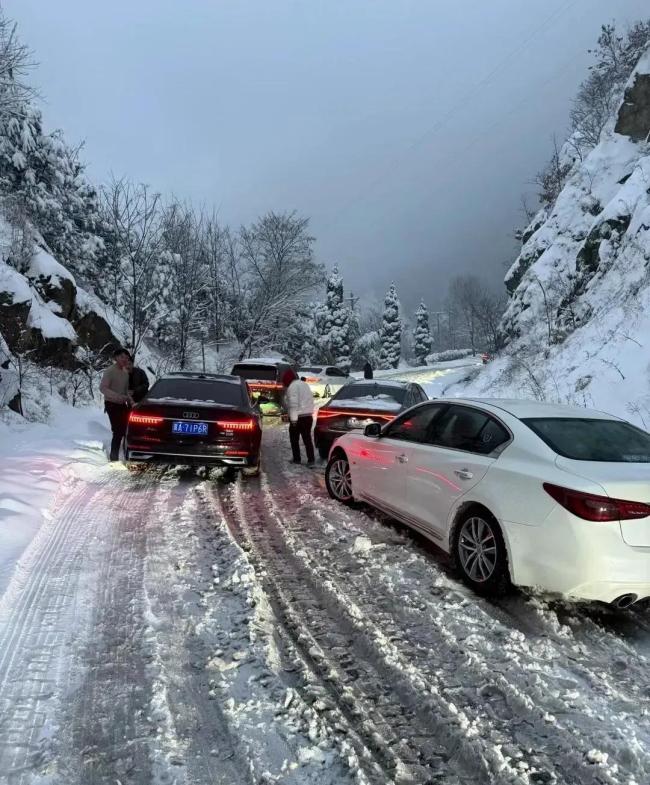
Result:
[{"x": 299, "y": 403}]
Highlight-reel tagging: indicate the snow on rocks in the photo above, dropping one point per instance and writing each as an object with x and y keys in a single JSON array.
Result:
[{"x": 577, "y": 322}]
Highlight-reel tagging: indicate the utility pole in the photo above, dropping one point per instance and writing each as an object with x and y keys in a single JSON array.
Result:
[{"x": 352, "y": 300}]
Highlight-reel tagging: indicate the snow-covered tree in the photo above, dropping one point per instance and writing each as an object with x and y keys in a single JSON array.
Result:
[
  {"x": 334, "y": 322},
  {"x": 422, "y": 335},
  {"x": 277, "y": 272},
  {"x": 301, "y": 344},
  {"x": 391, "y": 331}
]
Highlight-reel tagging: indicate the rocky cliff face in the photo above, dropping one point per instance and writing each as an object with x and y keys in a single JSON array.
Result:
[
  {"x": 47, "y": 320},
  {"x": 577, "y": 327}
]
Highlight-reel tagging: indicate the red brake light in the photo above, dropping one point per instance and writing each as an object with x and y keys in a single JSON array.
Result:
[
  {"x": 312, "y": 379},
  {"x": 264, "y": 385},
  {"x": 327, "y": 413},
  {"x": 324, "y": 414},
  {"x": 144, "y": 419},
  {"x": 237, "y": 425},
  {"x": 591, "y": 507}
]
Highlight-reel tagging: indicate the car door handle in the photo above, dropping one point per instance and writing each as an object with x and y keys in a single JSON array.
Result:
[
  {"x": 464, "y": 474},
  {"x": 401, "y": 458}
]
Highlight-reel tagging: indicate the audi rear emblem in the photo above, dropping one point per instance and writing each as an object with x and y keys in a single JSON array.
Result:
[{"x": 191, "y": 415}]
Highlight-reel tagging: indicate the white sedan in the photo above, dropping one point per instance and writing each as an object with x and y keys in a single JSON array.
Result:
[
  {"x": 324, "y": 380},
  {"x": 537, "y": 494}
]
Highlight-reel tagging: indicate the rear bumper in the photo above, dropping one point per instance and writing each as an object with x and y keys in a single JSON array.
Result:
[
  {"x": 577, "y": 558},
  {"x": 170, "y": 458}
]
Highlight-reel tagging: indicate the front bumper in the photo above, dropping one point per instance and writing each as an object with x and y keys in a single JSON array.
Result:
[{"x": 577, "y": 558}]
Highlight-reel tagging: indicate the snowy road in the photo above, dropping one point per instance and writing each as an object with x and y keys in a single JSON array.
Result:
[{"x": 165, "y": 628}]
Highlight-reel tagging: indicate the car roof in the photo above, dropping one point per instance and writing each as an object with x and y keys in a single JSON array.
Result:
[
  {"x": 523, "y": 409},
  {"x": 207, "y": 377},
  {"x": 380, "y": 383},
  {"x": 262, "y": 361}
]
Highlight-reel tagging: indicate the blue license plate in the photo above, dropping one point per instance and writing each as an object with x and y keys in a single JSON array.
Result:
[{"x": 190, "y": 428}]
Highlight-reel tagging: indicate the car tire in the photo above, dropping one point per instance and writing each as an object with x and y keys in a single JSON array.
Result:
[
  {"x": 337, "y": 478},
  {"x": 480, "y": 554},
  {"x": 323, "y": 451},
  {"x": 253, "y": 471}
]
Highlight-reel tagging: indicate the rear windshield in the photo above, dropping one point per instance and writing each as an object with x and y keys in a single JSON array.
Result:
[
  {"x": 264, "y": 373},
  {"x": 197, "y": 390},
  {"x": 593, "y": 440},
  {"x": 371, "y": 392},
  {"x": 315, "y": 371}
]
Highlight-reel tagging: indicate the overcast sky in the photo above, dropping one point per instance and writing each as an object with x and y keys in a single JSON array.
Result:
[{"x": 406, "y": 130}]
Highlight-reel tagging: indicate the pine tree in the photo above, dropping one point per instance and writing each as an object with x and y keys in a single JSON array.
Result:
[
  {"x": 335, "y": 324},
  {"x": 422, "y": 335},
  {"x": 391, "y": 331}
]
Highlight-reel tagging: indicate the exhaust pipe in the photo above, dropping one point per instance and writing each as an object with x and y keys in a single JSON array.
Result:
[{"x": 625, "y": 600}]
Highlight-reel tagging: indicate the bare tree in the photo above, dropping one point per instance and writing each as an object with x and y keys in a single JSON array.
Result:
[
  {"x": 279, "y": 272},
  {"x": 552, "y": 178},
  {"x": 184, "y": 265},
  {"x": 132, "y": 216},
  {"x": 15, "y": 61}
]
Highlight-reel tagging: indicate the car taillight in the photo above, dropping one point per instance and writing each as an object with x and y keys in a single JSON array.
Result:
[
  {"x": 327, "y": 414},
  {"x": 312, "y": 379},
  {"x": 237, "y": 425},
  {"x": 591, "y": 507},
  {"x": 324, "y": 414},
  {"x": 135, "y": 418}
]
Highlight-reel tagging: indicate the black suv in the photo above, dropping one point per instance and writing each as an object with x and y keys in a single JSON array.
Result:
[{"x": 264, "y": 380}]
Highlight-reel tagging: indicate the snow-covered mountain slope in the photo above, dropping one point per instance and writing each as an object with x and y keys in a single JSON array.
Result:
[{"x": 577, "y": 327}]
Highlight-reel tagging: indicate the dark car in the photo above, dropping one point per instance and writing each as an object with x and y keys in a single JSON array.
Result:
[
  {"x": 360, "y": 403},
  {"x": 196, "y": 418},
  {"x": 264, "y": 380}
]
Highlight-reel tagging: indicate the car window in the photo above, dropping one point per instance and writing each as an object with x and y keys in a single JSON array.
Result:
[
  {"x": 335, "y": 372},
  {"x": 464, "y": 428},
  {"x": 421, "y": 395},
  {"x": 313, "y": 370},
  {"x": 370, "y": 393},
  {"x": 414, "y": 427},
  {"x": 588, "y": 439},
  {"x": 265, "y": 373},
  {"x": 197, "y": 390}
]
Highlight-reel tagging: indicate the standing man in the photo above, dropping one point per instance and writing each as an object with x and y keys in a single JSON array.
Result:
[
  {"x": 299, "y": 403},
  {"x": 367, "y": 370},
  {"x": 117, "y": 401},
  {"x": 138, "y": 381}
]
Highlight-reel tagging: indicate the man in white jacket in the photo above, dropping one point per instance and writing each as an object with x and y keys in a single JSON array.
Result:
[{"x": 299, "y": 403}]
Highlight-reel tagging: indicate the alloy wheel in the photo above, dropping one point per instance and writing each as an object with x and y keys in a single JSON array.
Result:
[
  {"x": 477, "y": 549},
  {"x": 340, "y": 479}
]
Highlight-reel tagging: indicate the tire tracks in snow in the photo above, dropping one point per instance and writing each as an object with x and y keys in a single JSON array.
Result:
[
  {"x": 410, "y": 732},
  {"x": 38, "y": 627},
  {"x": 519, "y": 690}
]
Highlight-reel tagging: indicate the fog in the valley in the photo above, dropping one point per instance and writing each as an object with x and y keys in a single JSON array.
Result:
[{"x": 407, "y": 131}]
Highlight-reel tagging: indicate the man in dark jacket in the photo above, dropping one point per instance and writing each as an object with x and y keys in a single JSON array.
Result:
[
  {"x": 367, "y": 370},
  {"x": 138, "y": 382},
  {"x": 117, "y": 399}
]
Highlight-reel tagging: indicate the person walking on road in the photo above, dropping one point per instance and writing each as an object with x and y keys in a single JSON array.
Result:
[
  {"x": 367, "y": 370},
  {"x": 299, "y": 403},
  {"x": 138, "y": 381},
  {"x": 117, "y": 400}
]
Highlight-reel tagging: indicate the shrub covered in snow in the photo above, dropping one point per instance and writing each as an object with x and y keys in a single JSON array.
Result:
[
  {"x": 421, "y": 335},
  {"x": 449, "y": 354}
]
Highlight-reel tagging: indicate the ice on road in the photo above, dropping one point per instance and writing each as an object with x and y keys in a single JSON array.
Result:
[{"x": 165, "y": 627}]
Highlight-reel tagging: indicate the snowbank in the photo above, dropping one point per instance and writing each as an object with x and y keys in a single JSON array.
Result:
[{"x": 35, "y": 460}]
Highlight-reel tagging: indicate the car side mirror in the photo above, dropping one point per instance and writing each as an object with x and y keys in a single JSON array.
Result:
[{"x": 373, "y": 430}]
